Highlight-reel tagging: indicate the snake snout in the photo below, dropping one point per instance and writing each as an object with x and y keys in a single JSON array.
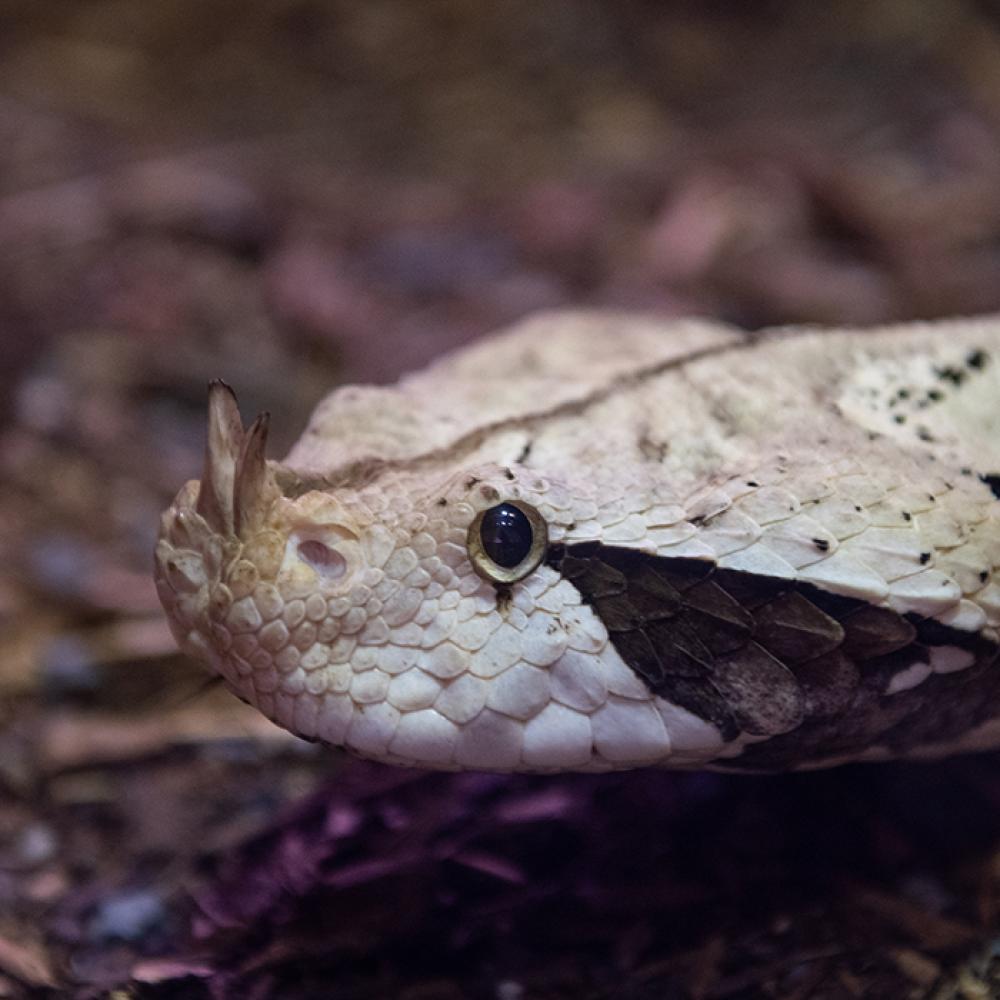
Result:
[{"x": 215, "y": 541}]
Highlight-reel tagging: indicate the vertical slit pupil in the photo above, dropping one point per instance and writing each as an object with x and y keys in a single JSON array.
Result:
[{"x": 506, "y": 535}]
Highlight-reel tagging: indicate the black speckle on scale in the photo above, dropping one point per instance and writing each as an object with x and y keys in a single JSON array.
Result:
[
  {"x": 950, "y": 374},
  {"x": 506, "y": 535}
]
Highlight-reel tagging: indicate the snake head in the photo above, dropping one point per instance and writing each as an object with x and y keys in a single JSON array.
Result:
[
  {"x": 563, "y": 550},
  {"x": 408, "y": 616}
]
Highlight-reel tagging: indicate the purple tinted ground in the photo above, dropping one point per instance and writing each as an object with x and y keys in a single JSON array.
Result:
[{"x": 306, "y": 193}]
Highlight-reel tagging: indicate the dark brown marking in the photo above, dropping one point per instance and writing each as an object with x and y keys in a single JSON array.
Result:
[
  {"x": 760, "y": 691},
  {"x": 720, "y": 622},
  {"x": 651, "y": 449},
  {"x": 828, "y": 683},
  {"x": 701, "y": 698},
  {"x": 681, "y": 651},
  {"x": 872, "y": 631},
  {"x": 992, "y": 480},
  {"x": 778, "y": 658},
  {"x": 795, "y": 630},
  {"x": 652, "y": 596}
]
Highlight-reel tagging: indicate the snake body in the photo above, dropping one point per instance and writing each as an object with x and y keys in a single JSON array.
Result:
[{"x": 597, "y": 542}]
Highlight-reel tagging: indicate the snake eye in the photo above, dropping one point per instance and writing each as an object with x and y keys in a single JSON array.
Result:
[
  {"x": 506, "y": 534},
  {"x": 507, "y": 542}
]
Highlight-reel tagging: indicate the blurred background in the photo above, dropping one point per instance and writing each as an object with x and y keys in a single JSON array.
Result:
[{"x": 291, "y": 194}]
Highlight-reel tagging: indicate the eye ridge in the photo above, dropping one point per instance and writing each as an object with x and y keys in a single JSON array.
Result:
[{"x": 507, "y": 541}]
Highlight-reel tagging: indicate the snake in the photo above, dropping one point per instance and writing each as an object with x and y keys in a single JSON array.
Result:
[{"x": 599, "y": 541}]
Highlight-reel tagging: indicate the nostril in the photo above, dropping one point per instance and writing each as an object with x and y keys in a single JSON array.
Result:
[{"x": 326, "y": 561}]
